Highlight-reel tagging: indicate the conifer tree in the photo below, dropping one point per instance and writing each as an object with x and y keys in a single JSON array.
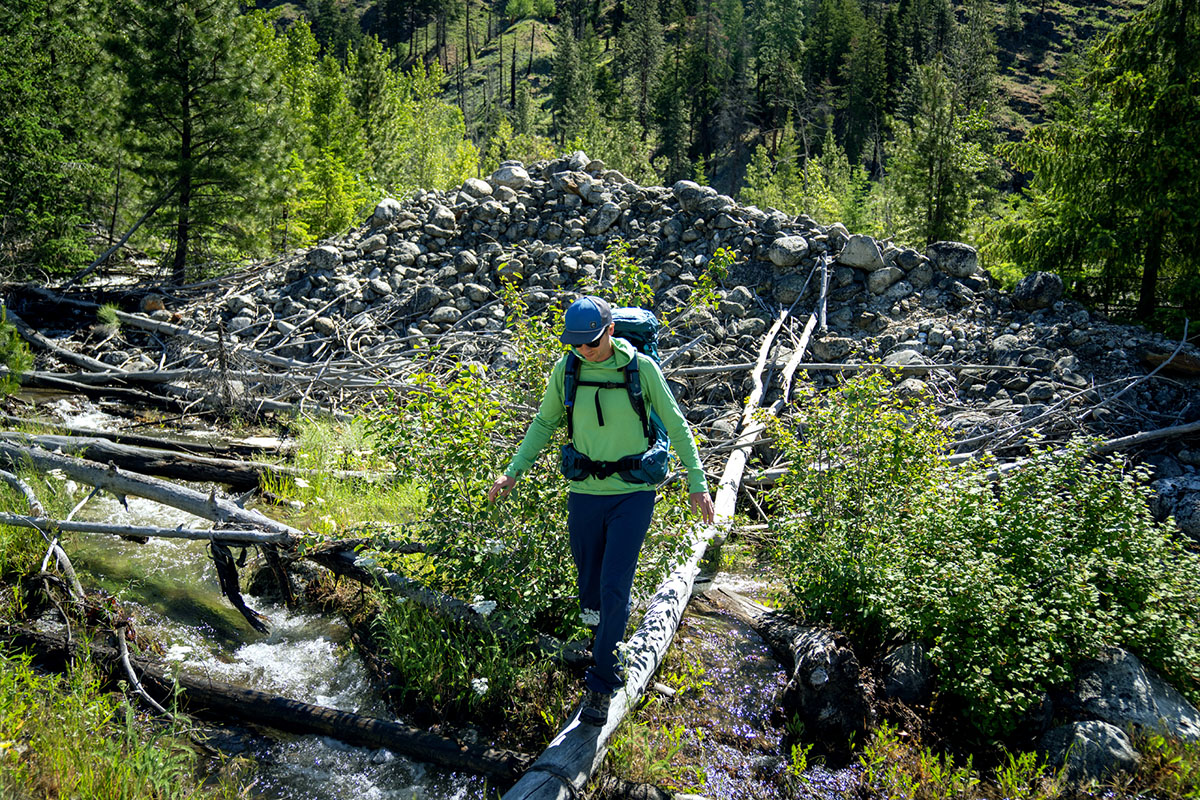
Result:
[
  {"x": 639, "y": 54},
  {"x": 779, "y": 50},
  {"x": 1116, "y": 173},
  {"x": 865, "y": 74},
  {"x": 936, "y": 161},
  {"x": 205, "y": 106},
  {"x": 44, "y": 171}
]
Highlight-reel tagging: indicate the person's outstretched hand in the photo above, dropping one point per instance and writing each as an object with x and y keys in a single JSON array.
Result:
[
  {"x": 702, "y": 504},
  {"x": 502, "y": 487}
]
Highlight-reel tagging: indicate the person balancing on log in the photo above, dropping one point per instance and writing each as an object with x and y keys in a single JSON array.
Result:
[{"x": 619, "y": 415}]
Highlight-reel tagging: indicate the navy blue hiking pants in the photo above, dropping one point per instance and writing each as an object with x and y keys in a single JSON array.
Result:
[{"x": 607, "y": 531}]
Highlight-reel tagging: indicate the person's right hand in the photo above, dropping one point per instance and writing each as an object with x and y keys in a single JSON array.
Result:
[{"x": 503, "y": 485}]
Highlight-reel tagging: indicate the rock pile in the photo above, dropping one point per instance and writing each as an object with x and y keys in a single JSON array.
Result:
[{"x": 433, "y": 265}]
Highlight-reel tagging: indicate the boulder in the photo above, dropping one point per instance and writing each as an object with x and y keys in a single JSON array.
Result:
[
  {"x": 326, "y": 257},
  {"x": 1117, "y": 688},
  {"x": 953, "y": 258},
  {"x": 881, "y": 280},
  {"x": 827, "y": 691},
  {"x": 906, "y": 359},
  {"x": 474, "y": 187},
  {"x": 1037, "y": 290},
  {"x": 907, "y": 673},
  {"x": 373, "y": 244},
  {"x": 512, "y": 176},
  {"x": 788, "y": 251},
  {"x": 1092, "y": 751},
  {"x": 863, "y": 252},
  {"x": 1179, "y": 497},
  {"x": 387, "y": 210}
]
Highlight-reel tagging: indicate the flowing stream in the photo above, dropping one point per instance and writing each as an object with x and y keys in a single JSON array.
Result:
[{"x": 170, "y": 587}]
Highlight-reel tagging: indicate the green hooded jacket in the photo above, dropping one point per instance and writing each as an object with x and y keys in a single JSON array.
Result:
[{"x": 622, "y": 434}]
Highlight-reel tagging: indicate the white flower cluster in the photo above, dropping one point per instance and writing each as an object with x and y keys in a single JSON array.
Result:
[
  {"x": 483, "y": 607},
  {"x": 479, "y": 686}
]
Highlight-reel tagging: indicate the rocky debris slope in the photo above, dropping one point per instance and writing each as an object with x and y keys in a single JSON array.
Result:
[{"x": 433, "y": 266}]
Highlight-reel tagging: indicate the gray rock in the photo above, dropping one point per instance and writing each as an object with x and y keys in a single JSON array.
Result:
[
  {"x": 388, "y": 209},
  {"x": 1179, "y": 497},
  {"x": 953, "y": 258},
  {"x": 880, "y": 280},
  {"x": 788, "y": 251},
  {"x": 603, "y": 218},
  {"x": 1092, "y": 751},
  {"x": 1037, "y": 290},
  {"x": 239, "y": 324},
  {"x": 907, "y": 673},
  {"x": 444, "y": 315},
  {"x": 863, "y": 252},
  {"x": 832, "y": 349},
  {"x": 373, "y": 244},
  {"x": 474, "y": 187},
  {"x": 380, "y": 287},
  {"x": 325, "y": 257},
  {"x": 511, "y": 176},
  {"x": 1117, "y": 688},
  {"x": 788, "y": 288},
  {"x": 441, "y": 217},
  {"x": 690, "y": 194},
  {"x": 1039, "y": 391}
]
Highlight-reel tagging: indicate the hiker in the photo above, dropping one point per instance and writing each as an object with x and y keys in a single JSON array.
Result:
[{"x": 615, "y": 459}]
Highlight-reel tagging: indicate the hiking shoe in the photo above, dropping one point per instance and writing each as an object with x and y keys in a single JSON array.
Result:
[{"x": 595, "y": 708}]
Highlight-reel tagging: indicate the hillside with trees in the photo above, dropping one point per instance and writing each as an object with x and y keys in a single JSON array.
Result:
[{"x": 237, "y": 135}]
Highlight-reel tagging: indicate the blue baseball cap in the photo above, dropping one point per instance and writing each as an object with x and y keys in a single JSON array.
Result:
[{"x": 586, "y": 320}]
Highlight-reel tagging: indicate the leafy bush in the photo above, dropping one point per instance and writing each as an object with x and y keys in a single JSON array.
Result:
[
  {"x": 14, "y": 354},
  {"x": 449, "y": 440},
  {"x": 1008, "y": 582}
]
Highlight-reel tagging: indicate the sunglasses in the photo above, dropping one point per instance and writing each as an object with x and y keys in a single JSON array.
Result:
[{"x": 595, "y": 342}]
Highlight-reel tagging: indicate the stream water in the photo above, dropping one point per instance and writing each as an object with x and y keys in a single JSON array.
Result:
[{"x": 171, "y": 589}]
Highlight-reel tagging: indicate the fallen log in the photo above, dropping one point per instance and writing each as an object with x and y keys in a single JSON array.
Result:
[
  {"x": 574, "y": 755},
  {"x": 207, "y": 696},
  {"x": 826, "y": 366},
  {"x": 144, "y": 531},
  {"x": 209, "y": 447},
  {"x": 121, "y": 482},
  {"x": 181, "y": 466},
  {"x": 826, "y": 688},
  {"x": 47, "y": 380}
]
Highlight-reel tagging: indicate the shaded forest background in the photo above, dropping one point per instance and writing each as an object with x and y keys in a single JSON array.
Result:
[{"x": 1053, "y": 134}]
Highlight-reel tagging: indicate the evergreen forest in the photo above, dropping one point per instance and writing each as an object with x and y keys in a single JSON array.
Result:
[{"x": 1052, "y": 135}]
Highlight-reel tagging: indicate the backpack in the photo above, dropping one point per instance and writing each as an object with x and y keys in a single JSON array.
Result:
[{"x": 640, "y": 328}]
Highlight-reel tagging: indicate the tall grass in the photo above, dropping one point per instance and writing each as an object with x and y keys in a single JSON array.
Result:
[{"x": 68, "y": 738}]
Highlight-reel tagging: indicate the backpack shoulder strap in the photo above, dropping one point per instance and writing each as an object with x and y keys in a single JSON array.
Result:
[
  {"x": 633, "y": 384},
  {"x": 570, "y": 386}
]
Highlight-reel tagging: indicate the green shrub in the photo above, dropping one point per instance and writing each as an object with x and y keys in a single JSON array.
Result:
[
  {"x": 14, "y": 354},
  {"x": 449, "y": 440},
  {"x": 1008, "y": 582}
]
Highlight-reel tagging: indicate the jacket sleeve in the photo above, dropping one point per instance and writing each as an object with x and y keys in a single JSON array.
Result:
[
  {"x": 544, "y": 423},
  {"x": 654, "y": 387}
]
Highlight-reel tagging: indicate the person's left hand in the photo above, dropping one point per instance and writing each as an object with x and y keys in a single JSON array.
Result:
[{"x": 702, "y": 504}]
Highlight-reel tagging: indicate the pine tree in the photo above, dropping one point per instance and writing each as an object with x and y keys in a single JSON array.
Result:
[
  {"x": 936, "y": 164},
  {"x": 45, "y": 176},
  {"x": 865, "y": 74},
  {"x": 639, "y": 54},
  {"x": 779, "y": 50},
  {"x": 1116, "y": 173},
  {"x": 204, "y": 106}
]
